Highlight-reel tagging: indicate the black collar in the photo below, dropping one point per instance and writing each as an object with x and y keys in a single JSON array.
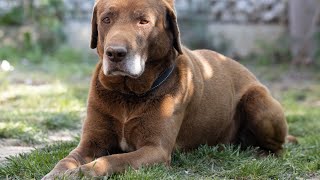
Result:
[
  {"x": 162, "y": 78},
  {"x": 158, "y": 82}
]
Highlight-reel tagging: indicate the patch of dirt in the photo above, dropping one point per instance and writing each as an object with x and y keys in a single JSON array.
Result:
[
  {"x": 13, "y": 147},
  {"x": 8, "y": 151}
]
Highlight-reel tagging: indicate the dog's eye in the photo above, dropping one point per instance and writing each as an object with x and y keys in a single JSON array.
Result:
[
  {"x": 107, "y": 20},
  {"x": 144, "y": 22}
]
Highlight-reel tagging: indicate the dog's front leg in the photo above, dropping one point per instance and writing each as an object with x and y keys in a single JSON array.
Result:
[
  {"x": 91, "y": 146},
  {"x": 107, "y": 165},
  {"x": 79, "y": 156}
]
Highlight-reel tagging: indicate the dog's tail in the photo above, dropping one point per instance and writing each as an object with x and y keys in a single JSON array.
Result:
[{"x": 291, "y": 139}]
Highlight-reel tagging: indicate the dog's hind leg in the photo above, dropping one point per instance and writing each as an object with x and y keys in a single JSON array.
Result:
[{"x": 263, "y": 120}]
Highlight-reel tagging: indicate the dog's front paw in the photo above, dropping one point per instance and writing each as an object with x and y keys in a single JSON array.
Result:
[
  {"x": 53, "y": 176},
  {"x": 69, "y": 174},
  {"x": 73, "y": 174},
  {"x": 79, "y": 173}
]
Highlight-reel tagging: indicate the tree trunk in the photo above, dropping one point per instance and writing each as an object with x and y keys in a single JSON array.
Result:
[{"x": 303, "y": 16}]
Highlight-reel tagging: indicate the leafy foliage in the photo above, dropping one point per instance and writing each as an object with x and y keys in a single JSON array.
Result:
[{"x": 14, "y": 17}]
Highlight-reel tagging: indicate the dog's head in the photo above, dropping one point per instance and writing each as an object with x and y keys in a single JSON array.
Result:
[{"x": 128, "y": 33}]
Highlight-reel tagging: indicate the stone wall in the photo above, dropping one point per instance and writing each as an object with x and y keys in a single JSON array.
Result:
[
  {"x": 79, "y": 9},
  {"x": 246, "y": 39},
  {"x": 237, "y": 11}
]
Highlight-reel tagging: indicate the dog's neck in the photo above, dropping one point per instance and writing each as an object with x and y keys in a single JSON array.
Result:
[{"x": 146, "y": 82}]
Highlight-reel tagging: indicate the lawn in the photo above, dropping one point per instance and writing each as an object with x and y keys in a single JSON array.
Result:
[{"x": 49, "y": 95}]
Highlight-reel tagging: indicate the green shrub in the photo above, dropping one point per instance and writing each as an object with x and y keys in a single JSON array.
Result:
[
  {"x": 67, "y": 54},
  {"x": 14, "y": 17},
  {"x": 8, "y": 53},
  {"x": 49, "y": 16}
]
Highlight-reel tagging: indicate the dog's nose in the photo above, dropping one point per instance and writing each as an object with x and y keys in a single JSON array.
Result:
[{"x": 116, "y": 53}]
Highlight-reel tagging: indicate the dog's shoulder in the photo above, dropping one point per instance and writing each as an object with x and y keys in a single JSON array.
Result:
[
  {"x": 208, "y": 58},
  {"x": 210, "y": 64}
]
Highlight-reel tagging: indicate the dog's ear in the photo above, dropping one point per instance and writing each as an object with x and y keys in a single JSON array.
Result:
[
  {"x": 94, "y": 33},
  {"x": 173, "y": 24}
]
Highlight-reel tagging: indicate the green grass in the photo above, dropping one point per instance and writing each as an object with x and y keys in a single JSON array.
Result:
[
  {"x": 22, "y": 167},
  {"x": 56, "y": 99},
  {"x": 300, "y": 161}
]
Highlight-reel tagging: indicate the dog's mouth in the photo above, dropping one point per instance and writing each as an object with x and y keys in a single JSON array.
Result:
[
  {"x": 118, "y": 72},
  {"x": 133, "y": 67}
]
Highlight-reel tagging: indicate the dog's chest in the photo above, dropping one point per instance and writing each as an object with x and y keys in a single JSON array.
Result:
[
  {"x": 124, "y": 141},
  {"x": 131, "y": 128},
  {"x": 125, "y": 146}
]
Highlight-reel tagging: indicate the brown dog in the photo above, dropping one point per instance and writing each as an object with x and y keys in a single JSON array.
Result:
[{"x": 150, "y": 96}]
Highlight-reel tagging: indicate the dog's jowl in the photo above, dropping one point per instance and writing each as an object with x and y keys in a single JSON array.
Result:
[{"x": 150, "y": 95}]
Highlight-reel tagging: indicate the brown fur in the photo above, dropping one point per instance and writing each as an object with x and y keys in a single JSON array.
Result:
[{"x": 209, "y": 98}]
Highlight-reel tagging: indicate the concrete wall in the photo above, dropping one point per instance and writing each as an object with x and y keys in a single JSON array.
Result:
[
  {"x": 78, "y": 33},
  {"x": 242, "y": 38},
  {"x": 245, "y": 38}
]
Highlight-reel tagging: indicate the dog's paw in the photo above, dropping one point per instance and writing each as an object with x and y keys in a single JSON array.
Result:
[
  {"x": 79, "y": 173},
  {"x": 53, "y": 176},
  {"x": 291, "y": 139},
  {"x": 74, "y": 174},
  {"x": 69, "y": 174}
]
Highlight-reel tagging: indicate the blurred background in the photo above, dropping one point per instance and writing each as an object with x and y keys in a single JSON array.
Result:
[{"x": 45, "y": 60}]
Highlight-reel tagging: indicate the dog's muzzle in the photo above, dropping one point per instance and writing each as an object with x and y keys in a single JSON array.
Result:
[{"x": 118, "y": 62}]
